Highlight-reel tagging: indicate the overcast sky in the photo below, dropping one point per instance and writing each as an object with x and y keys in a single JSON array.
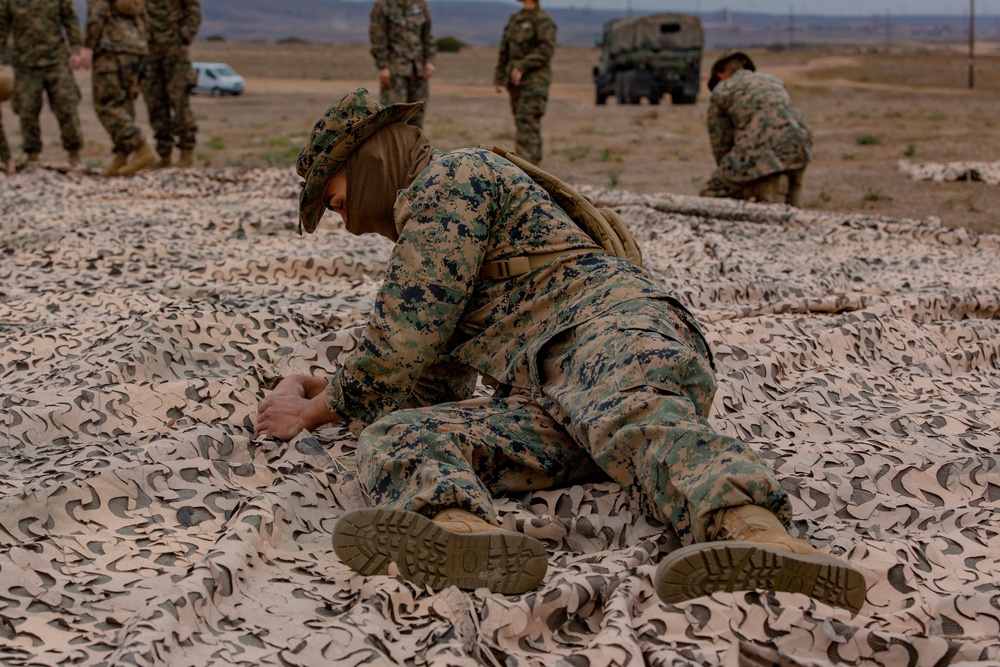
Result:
[{"x": 831, "y": 7}]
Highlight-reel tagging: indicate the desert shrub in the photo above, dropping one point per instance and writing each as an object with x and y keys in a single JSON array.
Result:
[
  {"x": 450, "y": 44},
  {"x": 910, "y": 151},
  {"x": 868, "y": 140},
  {"x": 215, "y": 38},
  {"x": 292, "y": 40}
]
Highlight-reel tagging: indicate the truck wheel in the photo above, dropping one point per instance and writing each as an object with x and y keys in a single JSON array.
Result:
[
  {"x": 654, "y": 99},
  {"x": 679, "y": 97},
  {"x": 602, "y": 98}
]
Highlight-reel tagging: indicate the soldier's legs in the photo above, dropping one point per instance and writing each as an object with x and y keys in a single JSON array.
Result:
[
  {"x": 179, "y": 84},
  {"x": 634, "y": 388},
  {"x": 720, "y": 186},
  {"x": 115, "y": 80},
  {"x": 528, "y": 108},
  {"x": 64, "y": 99},
  {"x": 765, "y": 190},
  {"x": 459, "y": 455},
  {"x": 27, "y": 104},
  {"x": 154, "y": 92},
  {"x": 402, "y": 89}
]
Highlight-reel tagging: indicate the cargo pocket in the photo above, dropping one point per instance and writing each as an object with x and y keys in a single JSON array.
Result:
[{"x": 652, "y": 353}]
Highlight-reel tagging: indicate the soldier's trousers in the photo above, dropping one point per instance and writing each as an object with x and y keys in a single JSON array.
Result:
[
  {"x": 528, "y": 103},
  {"x": 167, "y": 89},
  {"x": 625, "y": 395},
  {"x": 116, "y": 85},
  {"x": 31, "y": 84},
  {"x": 5, "y": 155},
  {"x": 403, "y": 89}
]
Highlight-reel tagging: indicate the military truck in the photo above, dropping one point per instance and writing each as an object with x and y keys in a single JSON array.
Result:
[{"x": 650, "y": 56}]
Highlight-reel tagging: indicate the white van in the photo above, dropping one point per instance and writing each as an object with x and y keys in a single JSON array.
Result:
[{"x": 218, "y": 79}]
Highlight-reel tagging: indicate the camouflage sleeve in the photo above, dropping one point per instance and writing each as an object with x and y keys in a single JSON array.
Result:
[
  {"x": 378, "y": 34},
  {"x": 721, "y": 132},
  {"x": 5, "y": 23},
  {"x": 540, "y": 56},
  {"x": 71, "y": 23},
  {"x": 430, "y": 277},
  {"x": 427, "y": 38},
  {"x": 97, "y": 14},
  {"x": 191, "y": 22}
]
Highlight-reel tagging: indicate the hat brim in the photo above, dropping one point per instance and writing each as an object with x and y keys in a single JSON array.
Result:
[
  {"x": 719, "y": 64},
  {"x": 311, "y": 204}
]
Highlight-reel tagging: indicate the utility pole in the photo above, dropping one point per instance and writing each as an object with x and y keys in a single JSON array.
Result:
[{"x": 972, "y": 43}]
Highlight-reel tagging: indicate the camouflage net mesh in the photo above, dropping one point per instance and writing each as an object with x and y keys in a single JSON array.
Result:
[
  {"x": 140, "y": 522},
  {"x": 987, "y": 172}
]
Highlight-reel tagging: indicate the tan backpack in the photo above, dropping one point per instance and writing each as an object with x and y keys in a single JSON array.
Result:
[{"x": 603, "y": 225}]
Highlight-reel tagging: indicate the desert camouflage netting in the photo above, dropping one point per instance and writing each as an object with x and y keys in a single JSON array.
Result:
[
  {"x": 142, "y": 524},
  {"x": 987, "y": 172}
]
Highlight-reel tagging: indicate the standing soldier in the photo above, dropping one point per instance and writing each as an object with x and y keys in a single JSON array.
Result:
[
  {"x": 45, "y": 34},
  {"x": 403, "y": 49},
  {"x": 6, "y": 90},
  {"x": 757, "y": 136},
  {"x": 170, "y": 77},
  {"x": 116, "y": 39},
  {"x": 525, "y": 69}
]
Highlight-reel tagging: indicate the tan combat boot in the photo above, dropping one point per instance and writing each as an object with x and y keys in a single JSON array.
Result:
[
  {"x": 31, "y": 157},
  {"x": 143, "y": 157},
  {"x": 114, "y": 169},
  {"x": 74, "y": 158},
  {"x": 164, "y": 162},
  {"x": 187, "y": 159},
  {"x": 756, "y": 552},
  {"x": 456, "y": 548}
]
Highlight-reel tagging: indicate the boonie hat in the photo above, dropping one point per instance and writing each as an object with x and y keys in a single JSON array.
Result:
[
  {"x": 344, "y": 127},
  {"x": 721, "y": 63},
  {"x": 6, "y": 84}
]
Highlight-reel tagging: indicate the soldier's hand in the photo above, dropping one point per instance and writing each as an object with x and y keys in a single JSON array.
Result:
[
  {"x": 515, "y": 77},
  {"x": 428, "y": 70},
  {"x": 9, "y": 168},
  {"x": 384, "y": 76},
  {"x": 500, "y": 89},
  {"x": 83, "y": 59}
]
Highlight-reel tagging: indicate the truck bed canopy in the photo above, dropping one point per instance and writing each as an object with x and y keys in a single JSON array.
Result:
[{"x": 654, "y": 32}]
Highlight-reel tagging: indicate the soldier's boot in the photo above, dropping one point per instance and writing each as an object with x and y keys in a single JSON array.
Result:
[
  {"x": 164, "y": 162},
  {"x": 755, "y": 551},
  {"x": 456, "y": 548},
  {"x": 143, "y": 157},
  {"x": 187, "y": 158},
  {"x": 31, "y": 157},
  {"x": 74, "y": 158},
  {"x": 114, "y": 169}
]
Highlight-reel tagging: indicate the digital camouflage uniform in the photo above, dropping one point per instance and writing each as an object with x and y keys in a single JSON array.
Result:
[
  {"x": 169, "y": 77},
  {"x": 755, "y": 133},
  {"x": 5, "y": 155},
  {"x": 401, "y": 40},
  {"x": 44, "y": 33},
  {"x": 120, "y": 49},
  {"x": 598, "y": 368},
  {"x": 528, "y": 43}
]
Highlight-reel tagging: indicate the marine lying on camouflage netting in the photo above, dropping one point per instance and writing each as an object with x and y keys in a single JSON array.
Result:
[{"x": 598, "y": 371}]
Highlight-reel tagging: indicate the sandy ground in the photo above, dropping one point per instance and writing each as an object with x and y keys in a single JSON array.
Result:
[{"x": 868, "y": 111}]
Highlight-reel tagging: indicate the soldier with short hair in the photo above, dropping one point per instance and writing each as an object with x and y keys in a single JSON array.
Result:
[
  {"x": 169, "y": 77},
  {"x": 47, "y": 43},
  {"x": 524, "y": 69},
  {"x": 598, "y": 371},
  {"x": 758, "y": 138},
  {"x": 116, "y": 42},
  {"x": 404, "y": 49}
]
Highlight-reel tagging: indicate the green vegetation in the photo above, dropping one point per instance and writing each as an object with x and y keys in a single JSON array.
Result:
[
  {"x": 614, "y": 178},
  {"x": 874, "y": 195},
  {"x": 216, "y": 144},
  {"x": 868, "y": 140},
  {"x": 910, "y": 151},
  {"x": 847, "y": 156},
  {"x": 450, "y": 44}
]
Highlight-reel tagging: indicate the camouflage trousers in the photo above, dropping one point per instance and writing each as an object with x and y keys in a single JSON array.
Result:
[
  {"x": 56, "y": 81},
  {"x": 5, "y": 155},
  {"x": 528, "y": 103},
  {"x": 402, "y": 89},
  {"x": 785, "y": 186},
  {"x": 166, "y": 87},
  {"x": 624, "y": 395},
  {"x": 116, "y": 85}
]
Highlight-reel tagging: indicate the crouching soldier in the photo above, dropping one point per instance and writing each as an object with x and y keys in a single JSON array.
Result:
[
  {"x": 599, "y": 371},
  {"x": 758, "y": 137}
]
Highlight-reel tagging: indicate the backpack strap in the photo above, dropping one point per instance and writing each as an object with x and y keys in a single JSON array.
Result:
[
  {"x": 603, "y": 225},
  {"x": 502, "y": 269}
]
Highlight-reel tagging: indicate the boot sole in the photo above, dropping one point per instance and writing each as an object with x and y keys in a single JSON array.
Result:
[
  {"x": 368, "y": 540},
  {"x": 701, "y": 569}
]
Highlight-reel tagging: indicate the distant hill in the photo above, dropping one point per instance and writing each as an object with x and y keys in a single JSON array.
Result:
[{"x": 480, "y": 23}]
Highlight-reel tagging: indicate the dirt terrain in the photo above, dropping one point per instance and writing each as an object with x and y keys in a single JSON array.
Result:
[{"x": 868, "y": 111}]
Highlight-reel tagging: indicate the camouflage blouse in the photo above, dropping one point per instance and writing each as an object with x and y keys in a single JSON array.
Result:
[{"x": 436, "y": 323}]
